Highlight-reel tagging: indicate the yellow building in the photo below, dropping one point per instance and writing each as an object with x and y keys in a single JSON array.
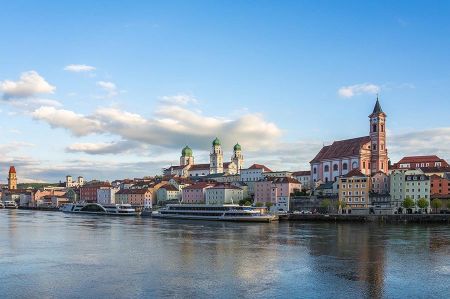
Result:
[
  {"x": 12, "y": 178},
  {"x": 354, "y": 189}
]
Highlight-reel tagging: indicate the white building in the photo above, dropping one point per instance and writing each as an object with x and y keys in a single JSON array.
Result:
[
  {"x": 106, "y": 195},
  {"x": 168, "y": 193},
  {"x": 304, "y": 177},
  {"x": 70, "y": 183},
  {"x": 223, "y": 194}
]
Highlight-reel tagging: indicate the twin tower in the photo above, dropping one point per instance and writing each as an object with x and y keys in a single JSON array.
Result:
[{"x": 216, "y": 164}]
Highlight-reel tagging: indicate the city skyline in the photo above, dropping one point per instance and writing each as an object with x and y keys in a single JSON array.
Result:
[{"x": 124, "y": 89}]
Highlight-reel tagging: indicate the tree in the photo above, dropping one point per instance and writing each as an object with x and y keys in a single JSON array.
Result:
[
  {"x": 247, "y": 203},
  {"x": 408, "y": 203},
  {"x": 259, "y": 204},
  {"x": 326, "y": 203},
  {"x": 448, "y": 204},
  {"x": 269, "y": 205},
  {"x": 422, "y": 203},
  {"x": 341, "y": 205},
  {"x": 436, "y": 204}
]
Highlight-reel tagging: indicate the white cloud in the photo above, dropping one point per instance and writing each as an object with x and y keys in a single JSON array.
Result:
[
  {"x": 29, "y": 84},
  {"x": 171, "y": 126},
  {"x": 78, "y": 124},
  {"x": 109, "y": 87},
  {"x": 78, "y": 68},
  {"x": 179, "y": 99},
  {"x": 358, "y": 89},
  {"x": 119, "y": 147}
]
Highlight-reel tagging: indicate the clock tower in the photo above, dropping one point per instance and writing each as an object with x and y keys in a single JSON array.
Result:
[{"x": 379, "y": 154}]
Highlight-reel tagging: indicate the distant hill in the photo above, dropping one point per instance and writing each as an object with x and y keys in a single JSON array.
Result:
[{"x": 35, "y": 185}]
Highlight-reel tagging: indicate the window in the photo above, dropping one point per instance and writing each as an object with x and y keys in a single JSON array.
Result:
[
  {"x": 335, "y": 167},
  {"x": 382, "y": 128},
  {"x": 314, "y": 170},
  {"x": 344, "y": 166},
  {"x": 374, "y": 128},
  {"x": 354, "y": 165},
  {"x": 327, "y": 168}
]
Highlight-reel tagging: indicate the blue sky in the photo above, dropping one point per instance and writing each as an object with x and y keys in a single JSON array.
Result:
[{"x": 114, "y": 89}]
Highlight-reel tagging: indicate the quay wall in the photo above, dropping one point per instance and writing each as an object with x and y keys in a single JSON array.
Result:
[{"x": 396, "y": 218}]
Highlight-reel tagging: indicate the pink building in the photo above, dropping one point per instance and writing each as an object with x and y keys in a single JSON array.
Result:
[
  {"x": 380, "y": 183},
  {"x": 195, "y": 193},
  {"x": 276, "y": 189}
]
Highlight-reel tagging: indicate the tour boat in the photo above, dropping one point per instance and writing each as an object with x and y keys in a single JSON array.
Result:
[
  {"x": 10, "y": 204},
  {"x": 226, "y": 212},
  {"x": 98, "y": 209}
]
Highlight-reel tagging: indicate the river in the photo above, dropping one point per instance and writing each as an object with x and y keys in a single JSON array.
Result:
[{"x": 56, "y": 255}]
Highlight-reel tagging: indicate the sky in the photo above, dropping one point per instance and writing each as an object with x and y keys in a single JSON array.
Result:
[{"x": 115, "y": 89}]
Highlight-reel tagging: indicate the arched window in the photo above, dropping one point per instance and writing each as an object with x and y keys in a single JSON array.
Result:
[
  {"x": 374, "y": 128},
  {"x": 314, "y": 170},
  {"x": 354, "y": 165},
  {"x": 327, "y": 168},
  {"x": 382, "y": 128},
  {"x": 344, "y": 166},
  {"x": 335, "y": 167}
]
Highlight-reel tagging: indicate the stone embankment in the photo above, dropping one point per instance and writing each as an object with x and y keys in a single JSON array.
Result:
[{"x": 397, "y": 218}]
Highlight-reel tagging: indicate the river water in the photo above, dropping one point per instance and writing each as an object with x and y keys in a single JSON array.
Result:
[{"x": 56, "y": 255}]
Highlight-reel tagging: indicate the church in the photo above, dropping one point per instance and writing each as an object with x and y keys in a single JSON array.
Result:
[
  {"x": 188, "y": 168},
  {"x": 367, "y": 154}
]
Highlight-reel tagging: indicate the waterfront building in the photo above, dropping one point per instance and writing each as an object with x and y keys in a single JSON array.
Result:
[
  {"x": 414, "y": 162},
  {"x": 380, "y": 183},
  {"x": 254, "y": 173},
  {"x": 417, "y": 186},
  {"x": 12, "y": 178},
  {"x": 354, "y": 189},
  {"x": 140, "y": 197},
  {"x": 106, "y": 195},
  {"x": 180, "y": 182},
  {"x": 121, "y": 196},
  {"x": 277, "y": 191},
  {"x": 88, "y": 192},
  {"x": 304, "y": 177},
  {"x": 439, "y": 185},
  {"x": 168, "y": 193},
  {"x": 244, "y": 187},
  {"x": 328, "y": 189},
  {"x": 195, "y": 193},
  {"x": 368, "y": 154},
  {"x": 223, "y": 194}
]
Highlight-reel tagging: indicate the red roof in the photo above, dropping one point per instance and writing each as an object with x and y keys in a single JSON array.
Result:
[
  {"x": 341, "y": 148},
  {"x": 354, "y": 172},
  {"x": 169, "y": 187},
  {"x": 200, "y": 185},
  {"x": 199, "y": 167},
  {"x": 420, "y": 159},
  {"x": 260, "y": 166},
  {"x": 12, "y": 169},
  {"x": 225, "y": 186}
]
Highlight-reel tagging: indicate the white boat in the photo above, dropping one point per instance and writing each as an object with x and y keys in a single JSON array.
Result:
[
  {"x": 2, "y": 206},
  {"x": 98, "y": 209},
  {"x": 230, "y": 212},
  {"x": 10, "y": 204}
]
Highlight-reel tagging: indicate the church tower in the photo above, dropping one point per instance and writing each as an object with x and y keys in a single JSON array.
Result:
[
  {"x": 237, "y": 157},
  {"x": 187, "y": 157},
  {"x": 12, "y": 178},
  {"x": 216, "y": 158},
  {"x": 379, "y": 155}
]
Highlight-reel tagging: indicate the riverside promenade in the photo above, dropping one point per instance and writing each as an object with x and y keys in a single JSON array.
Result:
[{"x": 396, "y": 218}]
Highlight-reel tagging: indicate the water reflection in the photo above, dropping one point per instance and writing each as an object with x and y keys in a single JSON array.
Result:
[{"x": 141, "y": 258}]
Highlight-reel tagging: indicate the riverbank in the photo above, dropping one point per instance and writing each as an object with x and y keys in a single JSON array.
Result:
[{"x": 397, "y": 218}]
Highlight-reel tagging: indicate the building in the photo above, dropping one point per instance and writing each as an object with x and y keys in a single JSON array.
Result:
[
  {"x": 188, "y": 168},
  {"x": 417, "y": 186},
  {"x": 380, "y": 183},
  {"x": 70, "y": 183},
  {"x": 12, "y": 178},
  {"x": 368, "y": 154},
  {"x": 106, "y": 195},
  {"x": 223, "y": 194},
  {"x": 354, "y": 189},
  {"x": 277, "y": 191},
  {"x": 121, "y": 196},
  {"x": 439, "y": 185},
  {"x": 304, "y": 177},
  {"x": 328, "y": 189},
  {"x": 414, "y": 162},
  {"x": 88, "y": 192},
  {"x": 168, "y": 193},
  {"x": 195, "y": 193},
  {"x": 254, "y": 173}
]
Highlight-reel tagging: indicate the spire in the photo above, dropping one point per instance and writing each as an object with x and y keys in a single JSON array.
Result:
[{"x": 377, "y": 108}]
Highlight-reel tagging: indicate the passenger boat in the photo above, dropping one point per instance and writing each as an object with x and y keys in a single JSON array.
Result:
[
  {"x": 229, "y": 212},
  {"x": 98, "y": 209},
  {"x": 10, "y": 204}
]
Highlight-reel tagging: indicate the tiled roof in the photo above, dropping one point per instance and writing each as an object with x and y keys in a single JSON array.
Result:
[
  {"x": 200, "y": 185},
  {"x": 12, "y": 169},
  {"x": 169, "y": 187},
  {"x": 420, "y": 159},
  {"x": 285, "y": 180},
  {"x": 434, "y": 169},
  {"x": 301, "y": 173},
  {"x": 327, "y": 185},
  {"x": 199, "y": 167},
  {"x": 355, "y": 172},
  {"x": 341, "y": 148},
  {"x": 260, "y": 166},
  {"x": 225, "y": 186}
]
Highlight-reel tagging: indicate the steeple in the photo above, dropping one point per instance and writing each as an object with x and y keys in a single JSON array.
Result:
[{"x": 377, "y": 108}]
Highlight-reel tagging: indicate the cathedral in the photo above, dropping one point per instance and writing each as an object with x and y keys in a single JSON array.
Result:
[
  {"x": 188, "y": 168},
  {"x": 368, "y": 154}
]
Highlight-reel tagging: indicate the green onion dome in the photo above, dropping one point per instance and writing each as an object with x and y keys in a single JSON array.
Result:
[
  {"x": 216, "y": 142},
  {"x": 186, "y": 152},
  {"x": 237, "y": 147}
]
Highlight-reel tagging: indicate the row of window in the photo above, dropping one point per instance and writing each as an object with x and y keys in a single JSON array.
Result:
[
  {"x": 355, "y": 199},
  {"x": 357, "y": 186},
  {"x": 350, "y": 193}
]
